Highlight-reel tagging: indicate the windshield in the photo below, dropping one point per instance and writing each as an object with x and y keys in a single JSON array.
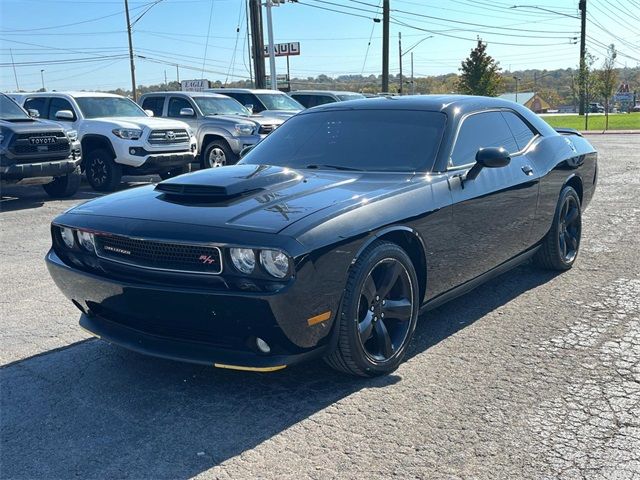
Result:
[
  {"x": 407, "y": 141},
  {"x": 279, "y": 101},
  {"x": 9, "y": 110},
  {"x": 350, "y": 96},
  {"x": 96, "y": 107},
  {"x": 220, "y": 106}
]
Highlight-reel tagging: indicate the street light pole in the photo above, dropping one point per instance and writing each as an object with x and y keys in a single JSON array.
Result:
[
  {"x": 402, "y": 54},
  {"x": 517, "y": 79},
  {"x": 42, "y": 77},
  {"x": 400, "y": 59},
  {"x": 272, "y": 56},
  {"x": 413, "y": 83}
]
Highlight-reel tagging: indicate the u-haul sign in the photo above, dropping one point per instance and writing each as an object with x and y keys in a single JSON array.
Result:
[{"x": 284, "y": 49}]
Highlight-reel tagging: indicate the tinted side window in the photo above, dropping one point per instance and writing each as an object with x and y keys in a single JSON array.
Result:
[
  {"x": 307, "y": 101},
  {"x": 154, "y": 104},
  {"x": 521, "y": 131},
  {"x": 58, "y": 104},
  {"x": 480, "y": 131},
  {"x": 322, "y": 99},
  {"x": 38, "y": 103},
  {"x": 175, "y": 105}
]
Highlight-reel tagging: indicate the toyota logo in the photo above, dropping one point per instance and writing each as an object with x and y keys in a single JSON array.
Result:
[{"x": 170, "y": 135}]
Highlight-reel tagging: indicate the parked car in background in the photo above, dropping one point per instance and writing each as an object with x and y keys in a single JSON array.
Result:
[
  {"x": 223, "y": 127},
  {"x": 117, "y": 136},
  {"x": 596, "y": 108},
  {"x": 330, "y": 236},
  {"x": 313, "y": 98},
  {"x": 267, "y": 102},
  {"x": 37, "y": 152}
]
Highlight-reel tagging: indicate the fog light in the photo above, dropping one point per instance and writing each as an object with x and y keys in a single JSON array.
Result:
[
  {"x": 132, "y": 151},
  {"x": 262, "y": 345}
]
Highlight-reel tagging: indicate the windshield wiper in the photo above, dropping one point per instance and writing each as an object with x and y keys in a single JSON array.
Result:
[{"x": 334, "y": 167}]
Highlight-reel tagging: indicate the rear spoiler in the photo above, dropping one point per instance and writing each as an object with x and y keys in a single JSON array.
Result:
[{"x": 567, "y": 131}]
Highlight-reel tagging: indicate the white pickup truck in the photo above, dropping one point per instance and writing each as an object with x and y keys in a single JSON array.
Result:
[{"x": 117, "y": 136}]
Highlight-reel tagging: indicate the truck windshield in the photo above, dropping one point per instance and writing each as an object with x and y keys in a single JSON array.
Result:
[
  {"x": 408, "y": 141},
  {"x": 220, "y": 106},
  {"x": 96, "y": 107},
  {"x": 279, "y": 101},
  {"x": 10, "y": 111}
]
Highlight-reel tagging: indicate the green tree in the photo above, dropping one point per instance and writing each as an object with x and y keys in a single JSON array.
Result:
[
  {"x": 479, "y": 73},
  {"x": 590, "y": 82},
  {"x": 608, "y": 80}
]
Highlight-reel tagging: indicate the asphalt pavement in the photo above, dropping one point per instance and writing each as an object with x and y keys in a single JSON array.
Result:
[{"x": 533, "y": 375}]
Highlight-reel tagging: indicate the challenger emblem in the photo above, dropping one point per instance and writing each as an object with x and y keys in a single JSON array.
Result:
[
  {"x": 207, "y": 259},
  {"x": 170, "y": 135},
  {"x": 121, "y": 251}
]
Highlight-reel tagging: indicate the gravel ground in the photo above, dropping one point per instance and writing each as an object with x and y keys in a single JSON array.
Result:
[{"x": 533, "y": 375}]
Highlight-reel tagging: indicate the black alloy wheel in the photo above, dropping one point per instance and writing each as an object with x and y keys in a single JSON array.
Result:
[
  {"x": 560, "y": 247},
  {"x": 378, "y": 314},
  {"x": 103, "y": 173}
]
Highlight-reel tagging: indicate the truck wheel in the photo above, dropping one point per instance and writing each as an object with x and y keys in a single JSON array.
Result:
[
  {"x": 65, "y": 186},
  {"x": 103, "y": 173},
  {"x": 174, "y": 172},
  {"x": 218, "y": 154}
]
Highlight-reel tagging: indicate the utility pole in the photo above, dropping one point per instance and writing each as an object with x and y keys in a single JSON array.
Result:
[
  {"x": 413, "y": 83},
  {"x": 42, "y": 77},
  {"x": 517, "y": 79},
  {"x": 246, "y": 5},
  {"x": 583, "y": 32},
  {"x": 133, "y": 67},
  {"x": 400, "y": 58},
  {"x": 258, "y": 43},
  {"x": 165, "y": 78},
  {"x": 14, "y": 70},
  {"x": 177, "y": 73},
  {"x": 272, "y": 54},
  {"x": 385, "y": 46}
]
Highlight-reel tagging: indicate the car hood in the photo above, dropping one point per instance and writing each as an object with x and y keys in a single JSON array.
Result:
[
  {"x": 139, "y": 122},
  {"x": 30, "y": 125},
  {"x": 249, "y": 197},
  {"x": 268, "y": 120},
  {"x": 229, "y": 119}
]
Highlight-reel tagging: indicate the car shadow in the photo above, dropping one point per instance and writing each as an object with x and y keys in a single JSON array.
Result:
[
  {"x": 18, "y": 197},
  {"x": 92, "y": 410}
]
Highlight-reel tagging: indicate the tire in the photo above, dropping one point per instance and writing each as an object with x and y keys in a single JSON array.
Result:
[
  {"x": 65, "y": 186},
  {"x": 372, "y": 334},
  {"x": 217, "y": 153},
  {"x": 103, "y": 173},
  {"x": 174, "y": 172},
  {"x": 561, "y": 244}
]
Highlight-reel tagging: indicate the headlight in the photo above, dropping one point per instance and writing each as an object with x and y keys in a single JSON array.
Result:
[
  {"x": 275, "y": 262},
  {"x": 86, "y": 240},
  {"x": 243, "y": 259},
  {"x": 244, "y": 129},
  {"x": 73, "y": 135},
  {"x": 127, "y": 133},
  {"x": 67, "y": 236}
]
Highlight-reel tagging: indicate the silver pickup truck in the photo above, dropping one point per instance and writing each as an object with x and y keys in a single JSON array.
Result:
[{"x": 223, "y": 127}]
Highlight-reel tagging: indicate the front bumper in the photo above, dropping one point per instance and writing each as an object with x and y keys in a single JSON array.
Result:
[
  {"x": 199, "y": 325},
  {"x": 57, "y": 168},
  {"x": 145, "y": 154},
  {"x": 238, "y": 143},
  {"x": 155, "y": 163}
]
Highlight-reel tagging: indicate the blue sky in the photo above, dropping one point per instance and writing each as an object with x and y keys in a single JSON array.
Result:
[{"x": 82, "y": 44}]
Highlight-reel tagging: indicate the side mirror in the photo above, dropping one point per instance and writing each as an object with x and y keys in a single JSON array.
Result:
[
  {"x": 246, "y": 150},
  {"x": 249, "y": 106},
  {"x": 491, "y": 157},
  {"x": 64, "y": 115},
  {"x": 149, "y": 112},
  {"x": 33, "y": 113},
  {"x": 187, "y": 112}
]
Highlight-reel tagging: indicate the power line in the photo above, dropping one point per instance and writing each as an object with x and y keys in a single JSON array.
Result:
[{"x": 206, "y": 45}]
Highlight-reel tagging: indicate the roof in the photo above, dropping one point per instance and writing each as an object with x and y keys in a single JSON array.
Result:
[
  {"x": 74, "y": 94},
  {"x": 523, "y": 97},
  {"x": 330, "y": 92},
  {"x": 188, "y": 94},
  {"x": 243, "y": 90}
]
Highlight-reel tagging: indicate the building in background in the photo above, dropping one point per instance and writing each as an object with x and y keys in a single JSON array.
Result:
[{"x": 531, "y": 100}]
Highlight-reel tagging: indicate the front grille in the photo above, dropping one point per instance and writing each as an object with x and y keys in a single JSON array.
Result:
[
  {"x": 168, "y": 137},
  {"x": 27, "y": 136},
  {"x": 267, "y": 129},
  {"x": 175, "y": 257},
  {"x": 26, "y": 149}
]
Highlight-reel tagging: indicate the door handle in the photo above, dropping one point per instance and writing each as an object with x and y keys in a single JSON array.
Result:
[{"x": 527, "y": 170}]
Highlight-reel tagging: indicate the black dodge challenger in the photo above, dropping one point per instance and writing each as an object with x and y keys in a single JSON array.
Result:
[{"x": 329, "y": 237}]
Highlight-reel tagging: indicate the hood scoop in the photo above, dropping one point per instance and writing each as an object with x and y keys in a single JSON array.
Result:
[{"x": 226, "y": 183}]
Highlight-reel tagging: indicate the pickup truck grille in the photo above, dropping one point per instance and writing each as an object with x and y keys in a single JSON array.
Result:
[
  {"x": 30, "y": 149},
  {"x": 267, "y": 129},
  {"x": 151, "y": 254},
  {"x": 26, "y": 136},
  {"x": 168, "y": 137},
  {"x": 40, "y": 144}
]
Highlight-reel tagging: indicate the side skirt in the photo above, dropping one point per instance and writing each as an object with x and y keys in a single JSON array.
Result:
[{"x": 479, "y": 280}]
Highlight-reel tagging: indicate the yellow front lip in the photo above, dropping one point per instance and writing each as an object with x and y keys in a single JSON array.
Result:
[{"x": 249, "y": 369}]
